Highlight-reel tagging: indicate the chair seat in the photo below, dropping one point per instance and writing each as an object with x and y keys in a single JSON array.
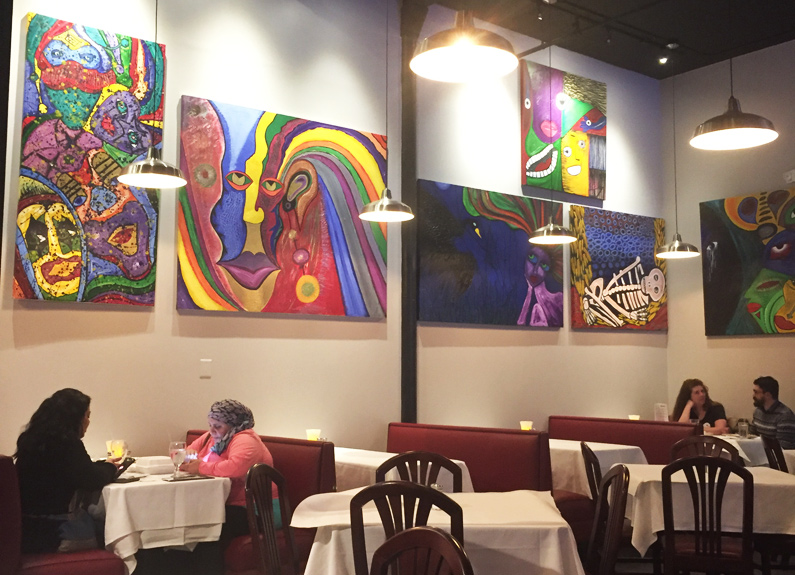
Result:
[
  {"x": 578, "y": 511},
  {"x": 93, "y": 562},
  {"x": 240, "y": 557}
]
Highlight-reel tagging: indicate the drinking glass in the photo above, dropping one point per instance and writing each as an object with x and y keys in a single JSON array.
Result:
[
  {"x": 742, "y": 429},
  {"x": 119, "y": 449},
  {"x": 176, "y": 450}
]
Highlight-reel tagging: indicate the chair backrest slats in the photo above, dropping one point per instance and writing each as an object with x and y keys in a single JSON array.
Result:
[
  {"x": 401, "y": 505},
  {"x": 593, "y": 469},
  {"x": 606, "y": 533},
  {"x": 775, "y": 455},
  {"x": 420, "y": 467},
  {"x": 708, "y": 445},
  {"x": 421, "y": 551}
]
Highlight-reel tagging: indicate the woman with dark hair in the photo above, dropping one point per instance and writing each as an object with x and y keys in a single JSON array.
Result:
[
  {"x": 52, "y": 464},
  {"x": 693, "y": 402}
]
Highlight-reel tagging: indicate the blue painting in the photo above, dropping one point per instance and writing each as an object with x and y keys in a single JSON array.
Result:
[{"x": 476, "y": 265}]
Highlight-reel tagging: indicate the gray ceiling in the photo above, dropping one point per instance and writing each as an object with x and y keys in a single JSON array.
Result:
[{"x": 632, "y": 33}]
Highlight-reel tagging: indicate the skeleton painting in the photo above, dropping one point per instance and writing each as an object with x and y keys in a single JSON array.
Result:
[
  {"x": 749, "y": 264},
  {"x": 475, "y": 263},
  {"x": 616, "y": 282}
]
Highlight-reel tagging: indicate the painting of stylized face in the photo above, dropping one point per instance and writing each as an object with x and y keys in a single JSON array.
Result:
[
  {"x": 92, "y": 104},
  {"x": 52, "y": 241},
  {"x": 574, "y": 160},
  {"x": 563, "y": 125},
  {"x": 269, "y": 212}
]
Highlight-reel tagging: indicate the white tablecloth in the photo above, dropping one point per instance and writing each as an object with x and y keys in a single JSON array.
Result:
[
  {"x": 511, "y": 533},
  {"x": 751, "y": 449},
  {"x": 356, "y": 468},
  {"x": 774, "y": 503},
  {"x": 568, "y": 465},
  {"x": 157, "y": 513}
]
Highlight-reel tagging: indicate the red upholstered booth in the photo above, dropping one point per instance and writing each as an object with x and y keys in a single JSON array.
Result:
[
  {"x": 308, "y": 467},
  {"x": 655, "y": 438},
  {"x": 13, "y": 562},
  {"x": 498, "y": 460}
]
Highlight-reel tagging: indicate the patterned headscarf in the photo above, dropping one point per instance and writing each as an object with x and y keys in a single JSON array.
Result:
[{"x": 234, "y": 414}]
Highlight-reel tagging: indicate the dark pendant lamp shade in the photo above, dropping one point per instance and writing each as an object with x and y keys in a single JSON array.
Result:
[
  {"x": 552, "y": 234},
  {"x": 386, "y": 210},
  {"x": 152, "y": 172},
  {"x": 463, "y": 53}
]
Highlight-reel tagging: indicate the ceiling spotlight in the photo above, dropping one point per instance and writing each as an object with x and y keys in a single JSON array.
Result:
[
  {"x": 672, "y": 45},
  {"x": 663, "y": 59}
]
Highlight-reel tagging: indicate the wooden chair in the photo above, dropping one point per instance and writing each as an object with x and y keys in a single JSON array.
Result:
[
  {"x": 276, "y": 549},
  {"x": 608, "y": 526},
  {"x": 775, "y": 456},
  {"x": 421, "y": 551},
  {"x": 707, "y": 445},
  {"x": 707, "y": 547},
  {"x": 401, "y": 505},
  {"x": 593, "y": 469},
  {"x": 420, "y": 467}
]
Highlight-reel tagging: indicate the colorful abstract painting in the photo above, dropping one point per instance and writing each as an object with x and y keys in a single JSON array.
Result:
[
  {"x": 748, "y": 247},
  {"x": 476, "y": 265},
  {"x": 564, "y": 129},
  {"x": 616, "y": 282},
  {"x": 269, "y": 219},
  {"x": 93, "y": 103}
]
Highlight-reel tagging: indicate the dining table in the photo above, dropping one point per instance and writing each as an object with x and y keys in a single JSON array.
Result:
[
  {"x": 505, "y": 533},
  {"x": 774, "y": 503},
  {"x": 751, "y": 448},
  {"x": 356, "y": 468},
  {"x": 154, "y": 511},
  {"x": 568, "y": 465}
]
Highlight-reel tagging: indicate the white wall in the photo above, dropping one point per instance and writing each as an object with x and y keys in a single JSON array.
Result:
[
  {"x": 764, "y": 82},
  {"x": 309, "y": 58},
  {"x": 470, "y": 135}
]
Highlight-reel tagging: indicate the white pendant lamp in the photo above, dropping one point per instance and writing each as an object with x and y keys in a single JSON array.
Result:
[
  {"x": 463, "y": 53},
  {"x": 152, "y": 171},
  {"x": 552, "y": 234},
  {"x": 734, "y": 129},
  {"x": 677, "y": 249},
  {"x": 386, "y": 209}
]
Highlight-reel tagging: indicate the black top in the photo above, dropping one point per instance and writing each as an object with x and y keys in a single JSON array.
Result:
[
  {"x": 47, "y": 483},
  {"x": 713, "y": 413}
]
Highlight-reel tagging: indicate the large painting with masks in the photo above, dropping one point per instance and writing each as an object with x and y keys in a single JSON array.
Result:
[
  {"x": 476, "y": 265},
  {"x": 93, "y": 103},
  {"x": 269, "y": 219},
  {"x": 564, "y": 130},
  {"x": 616, "y": 282},
  {"x": 748, "y": 246}
]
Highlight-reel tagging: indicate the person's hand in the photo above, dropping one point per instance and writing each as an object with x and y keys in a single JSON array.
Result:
[
  {"x": 114, "y": 460},
  {"x": 191, "y": 467}
]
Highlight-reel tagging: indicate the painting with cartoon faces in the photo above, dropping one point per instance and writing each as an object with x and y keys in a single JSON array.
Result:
[
  {"x": 616, "y": 281},
  {"x": 92, "y": 104},
  {"x": 268, "y": 221},
  {"x": 748, "y": 268},
  {"x": 476, "y": 265},
  {"x": 564, "y": 129}
]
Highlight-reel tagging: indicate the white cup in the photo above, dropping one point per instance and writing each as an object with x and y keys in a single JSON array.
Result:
[
  {"x": 634, "y": 417},
  {"x": 526, "y": 425},
  {"x": 313, "y": 434}
]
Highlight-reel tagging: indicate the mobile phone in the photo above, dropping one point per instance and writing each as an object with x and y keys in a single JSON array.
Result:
[
  {"x": 124, "y": 465},
  {"x": 126, "y": 479}
]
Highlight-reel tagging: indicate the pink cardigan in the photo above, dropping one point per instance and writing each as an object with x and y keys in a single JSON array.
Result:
[{"x": 244, "y": 450}]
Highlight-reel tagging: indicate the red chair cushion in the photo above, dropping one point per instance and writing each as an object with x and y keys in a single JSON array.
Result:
[
  {"x": 94, "y": 562},
  {"x": 578, "y": 510}
]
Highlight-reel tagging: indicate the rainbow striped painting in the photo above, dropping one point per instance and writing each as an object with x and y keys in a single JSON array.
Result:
[{"x": 268, "y": 221}]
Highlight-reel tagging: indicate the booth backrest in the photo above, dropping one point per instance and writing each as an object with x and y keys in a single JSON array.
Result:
[
  {"x": 10, "y": 517},
  {"x": 308, "y": 466},
  {"x": 498, "y": 459},
  {"x": 655, "y": 438}
]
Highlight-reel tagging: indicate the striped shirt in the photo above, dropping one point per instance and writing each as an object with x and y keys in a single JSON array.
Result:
[{"x": 778, "y": 422}]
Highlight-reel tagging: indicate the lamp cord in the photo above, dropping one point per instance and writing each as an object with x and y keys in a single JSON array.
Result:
[
  {"x": 676, "y": 194},
  {"x": 731, "y": 78},
  {"x": 386, "y": 97}
]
